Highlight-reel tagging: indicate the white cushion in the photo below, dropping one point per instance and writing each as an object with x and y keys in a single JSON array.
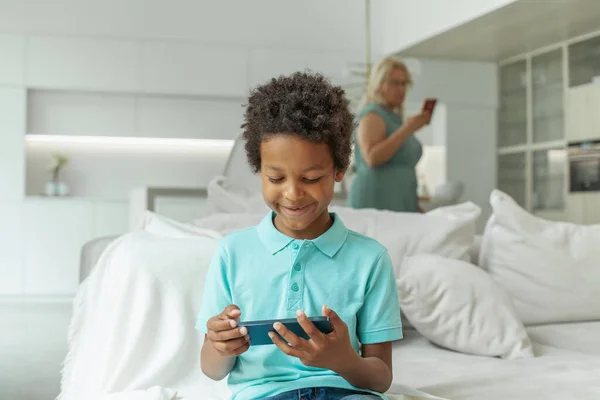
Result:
[
  {"x": 226, "y": 196},
  {"x": 458, "y": 306},
  {"x": 163, "y": 226},
  {"x": 226, "y": 223},
  {"x": 446, "y": 231},
  {"x": 551, "y": 270}
]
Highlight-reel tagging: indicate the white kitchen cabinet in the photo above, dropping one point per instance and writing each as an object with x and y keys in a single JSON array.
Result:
[
  {"x": 583, "y": 117},
  {"x": 576, "y": 103},
  {"x": 584, "y": 61},
  {"x": 549, "y": 179},
  {"x": 576, "y": 208},
  {"x": 547, "y": 92},
  {"x": 188, "y": 117},
  {"x": 196, "y": 69},
  {"x": 11, "y": 263},
  {"x": 592, "y": 207},
  {"x": 552, "y": 215},
  {"x": 583, "y": 208},
  {"x": 80, "y": 113},
  {"x": 110, "y": 218},
  {"x": 512, "y": 178},
  {"x": 54, "y": 230},
  {"x": 82, "y": 63},
  {"x": 13, "y": 106},
  {"x": 594, "y": 111},
  {"x": 512, "y": 116},
  {"x": 12, "y": 59}
]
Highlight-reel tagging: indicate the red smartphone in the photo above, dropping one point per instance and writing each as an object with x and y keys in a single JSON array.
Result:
[{"x": 429, "y": 105}]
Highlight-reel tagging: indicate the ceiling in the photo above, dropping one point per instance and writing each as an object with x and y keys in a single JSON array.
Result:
[{"x": 520, "y": 27}]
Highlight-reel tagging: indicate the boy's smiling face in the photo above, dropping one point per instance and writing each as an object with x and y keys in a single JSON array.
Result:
[{"x": 298, "y": 177}]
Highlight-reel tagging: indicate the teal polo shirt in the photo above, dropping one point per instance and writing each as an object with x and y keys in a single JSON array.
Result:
[{"x": 269, "y": 275}]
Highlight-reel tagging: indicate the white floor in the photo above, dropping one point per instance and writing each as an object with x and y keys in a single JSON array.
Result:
[{"x": 33, "y": 344}]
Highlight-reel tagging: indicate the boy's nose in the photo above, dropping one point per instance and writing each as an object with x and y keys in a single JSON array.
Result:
[{"x": 294, "y": 192}]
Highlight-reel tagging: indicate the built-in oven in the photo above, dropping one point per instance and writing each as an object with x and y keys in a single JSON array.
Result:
[{"x": 584, "y": 166}]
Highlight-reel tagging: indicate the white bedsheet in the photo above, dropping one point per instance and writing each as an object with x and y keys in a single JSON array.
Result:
[
  {"x": 582, "y": 337},
  {"x": 133, "y": 337},
  {"x": 562, "y": 369}
]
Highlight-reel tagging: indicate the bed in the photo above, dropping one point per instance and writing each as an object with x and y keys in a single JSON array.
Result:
[
  {"x": 566, "y": 366},
  {"x": 150, "y": 280}
]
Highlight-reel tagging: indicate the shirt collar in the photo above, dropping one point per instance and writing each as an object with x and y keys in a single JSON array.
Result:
[{"x": 328, "y": 243}]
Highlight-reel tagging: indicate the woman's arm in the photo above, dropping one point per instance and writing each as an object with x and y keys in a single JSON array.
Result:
[
  {"x": 375, "y": 147},
  {"x": 373, "y": 370}
]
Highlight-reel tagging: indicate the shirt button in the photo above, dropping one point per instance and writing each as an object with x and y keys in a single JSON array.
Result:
[
  {"x": 297, "y": 267},
  {"x": 295, "y": 287},
  {"x": 295, "y": 246}
]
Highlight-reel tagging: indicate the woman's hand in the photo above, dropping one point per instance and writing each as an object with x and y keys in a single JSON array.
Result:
[
  {"x": 331, "y": 351},
  {"x": 416, "y": 122}
]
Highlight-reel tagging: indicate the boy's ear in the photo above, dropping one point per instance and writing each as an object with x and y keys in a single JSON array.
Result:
[{"x": 339, "y": 175}]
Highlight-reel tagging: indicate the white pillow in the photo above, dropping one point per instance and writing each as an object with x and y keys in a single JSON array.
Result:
[
  {"x": 226, "y": 223},
  {"x": 551, "y": 270},
  {"x": 226, "y": 196},
  {"x": 446, "y": 231},
  {"x": 163, "y": 226},
  {"x": 458, "y": 306}
]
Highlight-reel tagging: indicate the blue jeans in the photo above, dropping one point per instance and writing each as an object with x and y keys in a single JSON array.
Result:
[{"x": 324, "y": 393}]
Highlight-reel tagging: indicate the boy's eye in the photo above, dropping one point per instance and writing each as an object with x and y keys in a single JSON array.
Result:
[
  {"x": 315, "y": 180},
  {"x": 275, "y": 180}
]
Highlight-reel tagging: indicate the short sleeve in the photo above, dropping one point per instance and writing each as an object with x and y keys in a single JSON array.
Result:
[
  {"x": 379, "y": 317},
  {"x": 216, "y": 294},
  {"x": 368, "y": 109}
]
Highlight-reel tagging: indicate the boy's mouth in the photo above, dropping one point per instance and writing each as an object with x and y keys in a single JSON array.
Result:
[{"x": 295, "y": 211}]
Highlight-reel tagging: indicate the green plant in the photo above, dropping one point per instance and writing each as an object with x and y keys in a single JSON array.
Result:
[{"x": 59, "y": 161}]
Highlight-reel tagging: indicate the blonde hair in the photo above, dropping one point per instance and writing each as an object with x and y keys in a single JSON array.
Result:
[{"x": 379, "y": 74}]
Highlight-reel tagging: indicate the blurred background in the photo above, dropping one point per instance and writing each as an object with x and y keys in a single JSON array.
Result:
[{"x": 104, "y": 103}]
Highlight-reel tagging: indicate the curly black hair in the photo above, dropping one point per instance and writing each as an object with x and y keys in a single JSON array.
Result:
[{"x": 304, "y": 104}]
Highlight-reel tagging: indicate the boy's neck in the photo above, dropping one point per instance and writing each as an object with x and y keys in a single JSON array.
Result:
[{"x": 313, "y": 231}]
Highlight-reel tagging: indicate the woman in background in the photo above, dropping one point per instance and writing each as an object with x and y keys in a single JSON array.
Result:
[{"x": 386, "y": 152}]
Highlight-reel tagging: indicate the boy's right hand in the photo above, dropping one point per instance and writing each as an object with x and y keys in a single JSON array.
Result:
[{"x": 225, "y": 336}]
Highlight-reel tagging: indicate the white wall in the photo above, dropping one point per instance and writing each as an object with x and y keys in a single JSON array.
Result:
[
  {"x": 106, "y": 171},
  {"x": 308, "y": 24},
  {"x": 153, "y": 68},
  {"x": 12, "y": 126},
  {"x": 468, "y": 92},
  {"x": 398, "y": 24}
]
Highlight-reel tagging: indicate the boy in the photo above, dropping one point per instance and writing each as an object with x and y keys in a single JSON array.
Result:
[{"x": 299, "y": 258}]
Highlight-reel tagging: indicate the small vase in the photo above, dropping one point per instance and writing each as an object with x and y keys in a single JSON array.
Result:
[{"x": 53, "y": 188}]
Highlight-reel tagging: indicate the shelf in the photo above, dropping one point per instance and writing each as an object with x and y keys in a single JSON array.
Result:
[
  {"x": 513, "y": 92},
  {"x": 546, "y": 85},
  {"x": 42, "y": 198},
  {"x": 552, "y": 116},
  {"x": 512, "y": 124}
]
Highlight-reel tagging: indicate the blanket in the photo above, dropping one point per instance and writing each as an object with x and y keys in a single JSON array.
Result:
[{"x": 132, "y": 334}]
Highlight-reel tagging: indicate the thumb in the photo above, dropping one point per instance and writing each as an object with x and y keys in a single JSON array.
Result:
[
  {"x": 231, "y": 311},
  {"x": 336, "y": 322}
]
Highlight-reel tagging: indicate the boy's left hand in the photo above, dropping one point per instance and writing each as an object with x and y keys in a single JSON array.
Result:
[{"x": 331, "y": 351}]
